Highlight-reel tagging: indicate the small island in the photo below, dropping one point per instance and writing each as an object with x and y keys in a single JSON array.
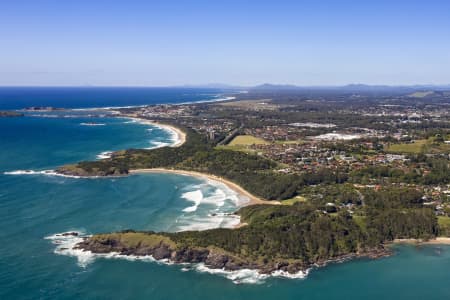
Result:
[
  {"x": 10, "y": 114},
  {"x": 42, "y": 108}
]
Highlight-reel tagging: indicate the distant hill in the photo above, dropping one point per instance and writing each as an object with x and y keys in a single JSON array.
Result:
[
  {"x": 421, "y": 90},
  {"x": 221, "y": 86},
  {"x": 269, "y": 86},
  {"x": 429, "y": 94},
  {"x": 351, "y": 87}
]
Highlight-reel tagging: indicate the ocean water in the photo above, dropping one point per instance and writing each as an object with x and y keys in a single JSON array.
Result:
[
  {"x": 35, "y": 205},
  {"x": 88, "y": 97}
]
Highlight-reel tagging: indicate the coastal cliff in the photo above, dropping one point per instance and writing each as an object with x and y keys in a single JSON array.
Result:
[
  {"x": 277, "y": 238},
  {"x": 161, "y": 247}
]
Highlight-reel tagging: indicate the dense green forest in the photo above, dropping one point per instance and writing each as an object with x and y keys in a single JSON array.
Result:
[
  {"x": 304, "y": 231},
  {"x": 439, "y": 172},
  {"x": 294, "y": 236},
  {"x": 254, "y": 173}
]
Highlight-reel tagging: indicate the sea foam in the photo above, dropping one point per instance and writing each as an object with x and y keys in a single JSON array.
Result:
[
  {"x": 33, "y": 172},
  {"x": 104, "y": 155},
  {"x": 92, "y": 124},
  {"x": 194, "y": 196},
  {"x": 174, "y": 138},
  {"x": 66, "y": 241},
  {"x": 213, "y": 204},
  {"x": 158, "y": 144},
  {"x": 46, "y": 173}
]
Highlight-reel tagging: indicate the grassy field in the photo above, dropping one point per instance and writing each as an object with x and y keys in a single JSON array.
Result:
[
  {"x": 294, "y": 200},
  {"x": 444, "y": 225},
  {"x": 242, "y": 143},
  {"x": 257, "y": 104},
  {"x": 289, "y": 142},
  {"x": 361, "y": 221},
  {"x": 247, "y": 140},
  {"x": 134, "y": 239},
  {"x": 444, "y": 221},
  {"x": 415, "y": 147},
  {"x": 421, "y": 94},
  {"x": 425, "y": 146}
]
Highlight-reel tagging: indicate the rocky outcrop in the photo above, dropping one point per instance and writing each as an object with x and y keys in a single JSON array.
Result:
[
  {"x": 75, "y": 170},
  {"x": 10, "y": 114},
  {"x": 161, "y": 247},
  {"x": 213, "y": 258}
]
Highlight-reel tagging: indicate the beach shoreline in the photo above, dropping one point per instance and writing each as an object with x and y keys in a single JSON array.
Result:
[
  {"x": 180, "y": 135},
  {"x": 253, "y": 200},
  {"x": 435, "y": 241}
]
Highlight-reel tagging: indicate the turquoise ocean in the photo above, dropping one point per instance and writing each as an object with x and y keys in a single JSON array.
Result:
[{"x": 36, "y": 205}]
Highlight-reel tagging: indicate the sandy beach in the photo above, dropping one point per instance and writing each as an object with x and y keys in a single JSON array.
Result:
[
  {"x": 252, "y": 198},
  {"x": 180, "y": 135},
  {"x": 181, "y": 139},
  {"x": 436, "y": 241}
]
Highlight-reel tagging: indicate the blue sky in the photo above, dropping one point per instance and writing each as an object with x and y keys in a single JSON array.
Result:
[{"x": 159, "y": 43}]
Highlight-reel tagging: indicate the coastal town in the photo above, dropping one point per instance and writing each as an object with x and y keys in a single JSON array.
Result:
[
  {"x": 388, "y": 141},
  {"x": 329, "y": 176},
  {"x": 225, "y": 150}
]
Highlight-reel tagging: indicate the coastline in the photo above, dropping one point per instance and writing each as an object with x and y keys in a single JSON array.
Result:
[
  {"x": 180, "y": 140},
  {"x": 180, "y": 135},
  {"x": 253, "y": 200},
  {"x": 435, "y": 241}
]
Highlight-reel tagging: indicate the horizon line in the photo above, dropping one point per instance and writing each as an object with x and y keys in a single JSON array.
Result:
[{"x": 225, "y": 85}]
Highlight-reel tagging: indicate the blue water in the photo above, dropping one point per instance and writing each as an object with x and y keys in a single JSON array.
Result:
[
  {"x": 86, "y": 97},
  {"x": 33, "y": 207}
]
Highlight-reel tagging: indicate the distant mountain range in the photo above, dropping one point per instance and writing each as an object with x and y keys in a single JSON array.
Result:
[{"x": 348, "y": 88}]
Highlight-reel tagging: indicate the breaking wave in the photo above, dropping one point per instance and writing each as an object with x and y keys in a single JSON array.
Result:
[
  {"x": 194, "y": 196},
  {"x": 66, "y": 241},
  {"x": 104, "y": 155},
  {"x": 213, "y": 203},
  {"x": 92, "y": 124},
  {"x": 249, "y": 276},
  {"x": 154, "y": 144},
  {"x": 45, "y": 173},
  {"x": 158, "y": 144}
]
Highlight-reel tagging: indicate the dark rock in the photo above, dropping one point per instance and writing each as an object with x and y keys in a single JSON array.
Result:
[
  {"x": 191, "y": 255},
  {"x": 73, "y": 233},
  {"x": 216, "y": 261},
  {"x": 162, "y": 252}
]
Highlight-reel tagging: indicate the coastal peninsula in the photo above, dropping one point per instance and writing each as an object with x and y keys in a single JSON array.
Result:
[{"x": 291, "y": 236}]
